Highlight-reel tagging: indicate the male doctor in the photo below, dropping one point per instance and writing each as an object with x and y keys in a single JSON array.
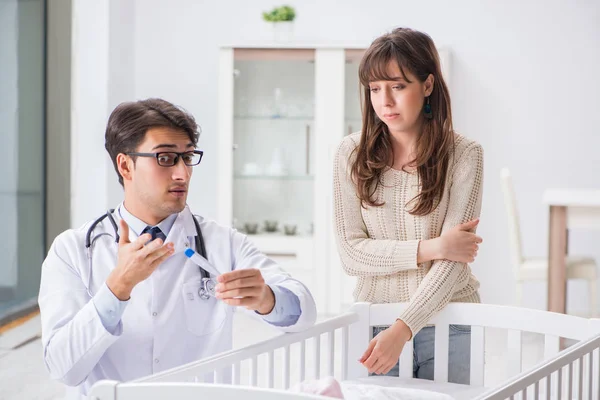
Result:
[{"x": 129, "y": 309}]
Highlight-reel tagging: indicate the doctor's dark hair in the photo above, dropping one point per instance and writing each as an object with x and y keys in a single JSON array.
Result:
[{"x": 129, "y": 122}]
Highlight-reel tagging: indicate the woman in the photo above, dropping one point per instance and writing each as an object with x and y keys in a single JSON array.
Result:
[{"x": 407, "y": 192}]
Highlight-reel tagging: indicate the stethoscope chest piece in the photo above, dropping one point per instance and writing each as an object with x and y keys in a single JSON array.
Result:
[{"x": 207, "y": 288}]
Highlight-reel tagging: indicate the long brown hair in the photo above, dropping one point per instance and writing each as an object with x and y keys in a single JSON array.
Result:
[{"x": 414, "y": 52}]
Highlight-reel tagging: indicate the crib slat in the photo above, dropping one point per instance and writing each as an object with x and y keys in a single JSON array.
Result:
[
  {"x": 549, "y": 387},
  {"x": 345, "y": 353},
  {"x": 331, "y": 359},
  {"x": 286, "y": 367},
  {"x": 360, "y": 334},
  {"x": 559, "y": 383},
  {"x": 271, "y": 369},
  {"x": 477, "y": 366},
  {"x": 591, "y": 375},
  {"x": 317, "y": 356},
  {"x": 218, "y": 376},
  {"x": 597, "y": 373},
  {"x": 254, "y": 371},
  {"x": 580, "y": 380},
  {"x": 302, "y": 360},
  {"x": 570, "y": 383},
  {"x": 440, "y": 367},
  {"x": 551, "y": 346},
  {"x": 236, "y": 373},
  {"x": 406, "y": 360},
  {"x": 515, "y": 351}
]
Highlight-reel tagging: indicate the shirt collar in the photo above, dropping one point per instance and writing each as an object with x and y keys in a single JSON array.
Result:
[{"x": 138, "y": 226}]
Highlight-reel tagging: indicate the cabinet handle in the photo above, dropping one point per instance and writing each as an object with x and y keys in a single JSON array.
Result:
[{"x": 235, "y": 146}]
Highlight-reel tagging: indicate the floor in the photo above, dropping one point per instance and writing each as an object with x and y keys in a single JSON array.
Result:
[{"x": 23, "y": 375}]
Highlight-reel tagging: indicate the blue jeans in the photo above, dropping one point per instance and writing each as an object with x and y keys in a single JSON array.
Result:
[{"x": 459, "y": 353}]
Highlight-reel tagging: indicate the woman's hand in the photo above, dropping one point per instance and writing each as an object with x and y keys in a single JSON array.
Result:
[
  {"x": 385, "y": 348},
  {"x": 459, "y": 243}
]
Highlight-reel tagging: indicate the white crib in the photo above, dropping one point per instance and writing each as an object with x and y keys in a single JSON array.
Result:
[{"x": 332, "y": 348}]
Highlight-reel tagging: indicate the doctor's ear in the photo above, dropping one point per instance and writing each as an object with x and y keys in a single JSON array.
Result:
[{"x": 125, "y": 166}]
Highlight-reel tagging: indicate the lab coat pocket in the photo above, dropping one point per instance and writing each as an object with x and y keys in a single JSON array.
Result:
[{"x": 203, "y": 317}]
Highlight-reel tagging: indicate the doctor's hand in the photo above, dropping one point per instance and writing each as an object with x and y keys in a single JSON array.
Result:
[
  {"x": 385, "y": 348},
  {"x": 135, "y": 261},
  {"x": 247, "y": 288}
]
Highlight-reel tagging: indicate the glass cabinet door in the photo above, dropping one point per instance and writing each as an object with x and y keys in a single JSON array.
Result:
[{"x": 273, "y": 141}]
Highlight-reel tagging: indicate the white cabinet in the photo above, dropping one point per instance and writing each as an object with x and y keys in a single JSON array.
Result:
[{"x": 282, "y": 113}]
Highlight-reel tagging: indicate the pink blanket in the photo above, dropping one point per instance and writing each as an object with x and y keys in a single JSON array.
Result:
[{"x": 328, "y": 386}]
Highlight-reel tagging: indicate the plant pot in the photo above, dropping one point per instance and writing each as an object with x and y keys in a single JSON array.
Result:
[{"x": 283, "y": 31}]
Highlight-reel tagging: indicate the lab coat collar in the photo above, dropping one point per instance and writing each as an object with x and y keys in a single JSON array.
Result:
[
  {"x": 184, "y": 220},
  {"x": 138, "y": 226}
]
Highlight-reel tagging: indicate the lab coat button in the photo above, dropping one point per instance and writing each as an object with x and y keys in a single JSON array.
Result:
[{"x": 154, "y": 314}]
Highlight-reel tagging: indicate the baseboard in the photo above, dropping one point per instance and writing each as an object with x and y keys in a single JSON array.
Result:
[{"x": 19, "y": 311}]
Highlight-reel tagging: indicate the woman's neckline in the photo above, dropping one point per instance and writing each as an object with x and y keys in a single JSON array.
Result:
[{"x": 400, "y": 171}]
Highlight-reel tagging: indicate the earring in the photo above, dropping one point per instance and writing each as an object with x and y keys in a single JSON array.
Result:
[{"x": 427, "y": 110}]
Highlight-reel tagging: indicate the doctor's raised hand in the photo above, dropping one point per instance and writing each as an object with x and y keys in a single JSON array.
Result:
[
  {"x": 135, "y": 261},
  {"x": 247, "y": 288}
]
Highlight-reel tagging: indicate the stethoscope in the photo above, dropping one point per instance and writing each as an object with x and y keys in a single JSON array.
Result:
[{"x": 207, "y": 287}]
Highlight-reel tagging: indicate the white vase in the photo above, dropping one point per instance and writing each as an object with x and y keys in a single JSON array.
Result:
[
  {"x": 277, "y": 166},
  {"x": 283, "y": 31}
]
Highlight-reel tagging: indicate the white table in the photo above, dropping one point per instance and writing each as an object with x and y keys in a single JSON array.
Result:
[{"x": 569, "y": 208}]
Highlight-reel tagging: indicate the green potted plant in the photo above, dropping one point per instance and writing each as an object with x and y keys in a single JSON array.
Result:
[{"x": 282, "y": 21}]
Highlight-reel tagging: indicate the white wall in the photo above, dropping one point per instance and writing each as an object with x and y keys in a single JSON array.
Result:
[
  {"x": 89, "y": 107},
  {"x": 102, "y": 77},
  {"x": 524, "y": 84},
  {"x": 58, "y": 118}
]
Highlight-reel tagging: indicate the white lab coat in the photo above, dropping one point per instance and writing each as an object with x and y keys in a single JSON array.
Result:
[{"x": 164, "y": 325}]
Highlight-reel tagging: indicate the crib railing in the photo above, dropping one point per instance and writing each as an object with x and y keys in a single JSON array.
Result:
[
  {"x": 332, "y": 348},
  {"x": 573, "y": 373},
  {"x": 514, "y": 320},
  {"x": 226, "y": 367}
]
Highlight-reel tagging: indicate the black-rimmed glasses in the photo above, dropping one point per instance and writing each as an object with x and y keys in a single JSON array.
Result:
[{"x": 170, "y": 158}]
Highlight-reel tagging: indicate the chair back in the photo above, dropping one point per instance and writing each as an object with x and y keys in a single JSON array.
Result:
[{"x": 514, "y": 229}]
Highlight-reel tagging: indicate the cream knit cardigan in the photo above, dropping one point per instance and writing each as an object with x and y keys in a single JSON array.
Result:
[{"x": 379, "y": 245}]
